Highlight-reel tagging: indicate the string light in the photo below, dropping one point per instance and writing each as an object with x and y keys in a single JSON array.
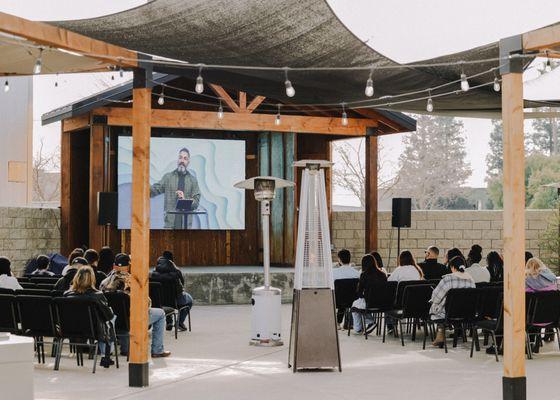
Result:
[
  {"x": 290, "y": 91},
  {"x": 56, "y": 80},
  {"x": 464, "y": 82},
  {"x": 496, "y": 85},
  {"x": 277, "y": 120},
  {"x": 369, "y": 84},
  {"x": 430, "y": 103},
  {"x": 199, "y": 87},
  {"x": 344, "y": 115},
  {"x": 220, "y": 111},
  {"x": 161, "y": 99},
  {"x": 39, "y": 62},
  {"x": 121, "y": 72},
  {"x": 6, "y": 86}
]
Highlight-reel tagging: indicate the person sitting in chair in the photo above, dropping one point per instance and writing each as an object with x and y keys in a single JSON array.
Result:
[
  {"x": 7, "y": 281},
  {"x": 431, "y": 268},
  {"x": 42, "y": 263}
]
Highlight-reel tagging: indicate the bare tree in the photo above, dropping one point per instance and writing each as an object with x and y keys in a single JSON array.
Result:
[
  {"x": 350, "y": 174},
  {"x": 46, "y": 179}
]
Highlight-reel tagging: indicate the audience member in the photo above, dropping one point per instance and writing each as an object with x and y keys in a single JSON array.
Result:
[
  {"x": 407, "y": 270},
  {"x": 528, "y": 256},
  {"x": 538, "y": 278},
  {"x": 77, "y": 252},
  {"x": 495, "y": 266},
  {"x": 378, "y": 260},
  {"x": 65, "y": 282},
  {"x": 83, "y": 285},
  {"x": 457, "y": 279},
  {"x": 371, "y": 275},
  {"x": 167, "y": 254},
  {"x": 452, "y": 253},
  {"x": 92, "y": 257},
  {"x": 42, "y": 263},
  {"x": 474, "y": 269},
  {"x": 431, "y": 268},
  {"x": 345, "y": 270},
  {"x": 167, "y": 272},
  {"x": 106, "y": 260},
  {"x": 7, "y": 281},
  {"x": 119, "y": 279}
]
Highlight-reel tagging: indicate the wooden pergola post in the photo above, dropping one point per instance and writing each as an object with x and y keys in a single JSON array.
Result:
[
  {"x": 140, "y": 228},
  {"x": 371, "y": 195},
  {"x": 514, "y": 380}
]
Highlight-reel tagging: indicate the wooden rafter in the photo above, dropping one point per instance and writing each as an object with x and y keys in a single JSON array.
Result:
[
  {"x": 221, "y": 92},
  {"x": 52, "y": 36},
  {"x": 242, "y": 107},
  {"x": 255, "y": 103},
  {"x": 243, "y": 101},
  {"x": 542, "y": 39}
]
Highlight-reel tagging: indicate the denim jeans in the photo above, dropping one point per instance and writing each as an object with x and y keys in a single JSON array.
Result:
[
  {"x": 157, "y": 320},
  {"x": 103, "y": 345},
  {"x": 184, "y": 299}
]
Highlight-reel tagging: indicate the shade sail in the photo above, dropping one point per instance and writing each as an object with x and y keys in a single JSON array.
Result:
[{"x": 294, "y": 33}]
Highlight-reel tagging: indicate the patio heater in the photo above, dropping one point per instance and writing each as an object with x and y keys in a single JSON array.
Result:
[
  {"x": 266, "y": 300},
  {"x": 314, "y": 335}
]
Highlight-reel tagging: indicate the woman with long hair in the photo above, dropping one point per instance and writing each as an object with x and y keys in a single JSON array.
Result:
[
  {"x": 538, "y": 278},
  {"x": 495, "y": 265},
  {"x": 106, "y": 260},
  {"x": 370, "y": 276},
  {"x": 408, "y": 269}
]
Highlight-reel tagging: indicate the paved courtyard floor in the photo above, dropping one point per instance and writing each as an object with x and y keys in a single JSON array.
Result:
[{"x": 216, "y": 362}]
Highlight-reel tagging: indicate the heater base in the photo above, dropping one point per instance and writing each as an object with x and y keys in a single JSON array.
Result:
[{"x": 266, "y": 317}]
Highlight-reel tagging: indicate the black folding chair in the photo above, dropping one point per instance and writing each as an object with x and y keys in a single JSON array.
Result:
[
  {"x": 28, "y": 285},
  {"x": 34, "y": 292},
  {"x": 460, "y": 312},
  {"x": 489, "y": 317},
  {"x": 157, "y": 295},
  {"x": 37, "y": 321},
  {"x": 8, "y": 313},
  {"x": 44, "y": 279},
  {"x": 45, "y": 286},
  {"x": 23, "y": 279},
  {"x": 379, "y": 299},
  {"x": 78, "y": 321},
  {"x": 400, "y": 291},
  {"x": 345, "y": 294},
  {"x": 120, "y": 304},
  {"x": 543, "y": 312},
  {"x": 415, "y": 308}
]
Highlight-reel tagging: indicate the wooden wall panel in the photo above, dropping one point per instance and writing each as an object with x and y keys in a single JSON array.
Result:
[
  {"x": 289, "y": 195},
  {"x": 277, "y": 209}
]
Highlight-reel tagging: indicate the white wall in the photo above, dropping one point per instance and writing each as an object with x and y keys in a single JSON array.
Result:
[{"x": 16, "y": 133}]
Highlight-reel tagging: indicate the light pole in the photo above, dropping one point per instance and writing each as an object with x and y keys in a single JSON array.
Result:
[{"x": 266, "y": 300}]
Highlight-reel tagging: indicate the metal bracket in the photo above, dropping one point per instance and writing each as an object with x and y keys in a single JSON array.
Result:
[{"x": 510, "y": 49}]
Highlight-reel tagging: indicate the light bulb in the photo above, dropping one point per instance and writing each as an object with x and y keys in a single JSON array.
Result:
[
  {"x": 548, "y": 67},
  {"x": 6, "y": 87},
  {"x": 199, "y": 87},
  {"x": 39, "y": 63},
  {"x": 369, "y": 87},
  {"x": 344, "y": 119},
  {"x": 497, "y": 85},
  {"x": 220, "y": 112},
  {"x": 464, "y": 83},
  {"x": 121, "y": 72},
  {"x": 161, "y": 99},
  {"x": 290, "y": 91},
  {"x": 430, "y": 105},
  {"x": 277, "y": 120}
]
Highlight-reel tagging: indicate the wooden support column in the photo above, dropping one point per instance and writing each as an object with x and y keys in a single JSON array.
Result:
[
  {"x": 514, "y": 381},
  {"x": 140, "y": 229},
  {"x": 371, "y": 149},
  {"x": 96, "y": 181},
  {"x": 65, "y": 179}
]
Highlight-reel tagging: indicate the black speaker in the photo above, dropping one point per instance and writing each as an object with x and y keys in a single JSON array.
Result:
[
  {"x": 400, "y": 216},
  {"x": 107, "y": 208}
]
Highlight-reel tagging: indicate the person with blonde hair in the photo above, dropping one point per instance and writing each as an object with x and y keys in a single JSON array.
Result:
[
  {"x": 538, "y": 278},
  {"x": 83, "y": 284}
]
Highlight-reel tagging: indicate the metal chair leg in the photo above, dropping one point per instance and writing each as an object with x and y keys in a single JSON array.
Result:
[
  {"x": 95, "y": 357},
  {"x": 495, "y": 344},
  {"x": 189, "y": 316},
  {"x": 444, "y": 339},
  {"x": 402, "y": 332},
  {"x": 528, "y": 344},
  {"x": 425, "y": 325}
]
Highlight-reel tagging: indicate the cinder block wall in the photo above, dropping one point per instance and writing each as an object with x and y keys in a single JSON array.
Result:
[
  {"x": 445, "y": 229},
  {"x": 26, "y": 232}
]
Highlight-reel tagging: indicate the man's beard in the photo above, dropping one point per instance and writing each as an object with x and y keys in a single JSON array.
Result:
[{"x": 182, "y": 169}]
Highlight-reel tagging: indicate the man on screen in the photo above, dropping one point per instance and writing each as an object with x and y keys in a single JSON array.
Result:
[{"x": 178, "y": 184}]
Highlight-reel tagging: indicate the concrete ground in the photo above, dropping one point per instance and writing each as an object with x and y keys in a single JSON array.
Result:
[{"x": 214, "y": 361}]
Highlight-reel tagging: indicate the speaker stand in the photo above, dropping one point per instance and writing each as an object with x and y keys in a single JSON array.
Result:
[{"x": 398, "y": 244}]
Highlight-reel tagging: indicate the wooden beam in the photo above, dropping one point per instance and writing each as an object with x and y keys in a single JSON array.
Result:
[
  {"x": 243, "y": 101},
  {"x": 65, "y": 198},
  {"x": 221, "y": 92},
  {"x": 242, "y": 122},
  {"x": 255, "y": 103},
  {"x": 514, "y": 226},
  {"x": 96, "y": 182},
  {"x": 369, "y": 113},
  {"x": 49, "y": 35},
  {"x": 542, "y": 39},
  {"x": 140, "y": 237},
  {"x": 76, "y": 123},
  {"x": 371, "y": 196}
]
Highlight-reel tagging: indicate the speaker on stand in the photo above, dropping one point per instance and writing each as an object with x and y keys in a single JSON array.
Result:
[
  {"x": 400, "y": 217},
  {"x": 107, "y": 211}
]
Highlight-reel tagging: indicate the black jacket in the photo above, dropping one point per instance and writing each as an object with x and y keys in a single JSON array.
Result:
[
  {"x": 166, "y": 273},
  {"x": 433, "y": 270},
  {"x": 64, "y": 283},
  {"x": 368, "y": 280},
  {"x": 104, "y": 311}
]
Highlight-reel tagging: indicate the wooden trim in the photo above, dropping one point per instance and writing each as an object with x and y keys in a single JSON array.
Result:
[
  {"x": 369, "y": 113},
  {"x": 542, "y": 39},
  {"x": 255, "y": 103},
  {"x": 52, "y": 36},
  {"x": 243, "y": 101},
  {"x": 241, "y": 122},
  {"x": 514, "y": 225},
  {"x": 76, "y": 123},
  {"x": 371, "y": 234},
  {"x": 140, "y": 229},
  {"x": 221, "y": 92},
  {"x": 96, "y": 182}
]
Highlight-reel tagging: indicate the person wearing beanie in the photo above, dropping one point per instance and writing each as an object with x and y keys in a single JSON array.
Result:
[
  {"x": 64, "y": 283},
  {"x": 475, "y": 270}
]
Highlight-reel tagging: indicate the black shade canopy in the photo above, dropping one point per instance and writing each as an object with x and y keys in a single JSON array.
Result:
[{"x": 294, "y": 33}]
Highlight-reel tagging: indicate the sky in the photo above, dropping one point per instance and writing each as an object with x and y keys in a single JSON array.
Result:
[{"x": 405, "y": 31}]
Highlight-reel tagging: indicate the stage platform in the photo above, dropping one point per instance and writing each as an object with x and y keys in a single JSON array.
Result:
[{"x": 232, "y": 284}]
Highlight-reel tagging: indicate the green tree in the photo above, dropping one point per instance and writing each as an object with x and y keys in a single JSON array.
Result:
[
  {"x": 544, "y": 137},
  {"x": 549, "y": 245},
  {"x": 495, "y": 158},
  {"x": 433, "y": 164}
]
